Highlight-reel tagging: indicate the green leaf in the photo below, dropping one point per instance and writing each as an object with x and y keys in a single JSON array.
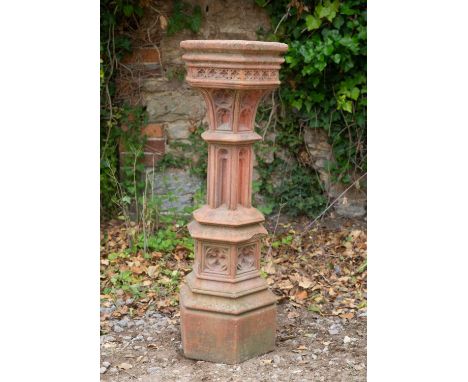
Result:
[
  {"x": 139, "y": 11},
  {"x": 322, "y": 11},
  {"x": 354, "y": 94},
  {"x": 336, "y": 58},
  {"x": 312, "y": 22},
  {"x": 314, "y": 308},
  {"x": 338, "y": 22},
  {"x": 347, "y": 106},
  {"x": 128, "y": 10},
  {"x": 297, "y": 103}
]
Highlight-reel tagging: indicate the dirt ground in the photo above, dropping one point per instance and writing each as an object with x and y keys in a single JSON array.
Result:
[{"x": 309, "y": 347}]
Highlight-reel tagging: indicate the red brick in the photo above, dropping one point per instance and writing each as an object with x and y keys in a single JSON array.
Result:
[
  {"x": 154, "y": 145},
  {"x": 151, "y": 159},
  {"x": 142, "y": 55},
  {"x": 154, "y": 130}
]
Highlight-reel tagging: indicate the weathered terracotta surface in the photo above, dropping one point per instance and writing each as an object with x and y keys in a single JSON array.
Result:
[{"x": 228, "y": 314}]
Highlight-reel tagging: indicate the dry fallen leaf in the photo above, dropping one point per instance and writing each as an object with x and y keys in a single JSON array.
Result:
[
  {"x": 269, "y": 268},
  {"x": 285, "y": 284},
  {"x": 151, "y": 271},
  {"x": 305, "y": 282},
  {"x": 302, "y": 295}
]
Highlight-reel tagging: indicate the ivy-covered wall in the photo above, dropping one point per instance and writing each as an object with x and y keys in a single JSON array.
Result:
[{"x": 314, "y": 125}]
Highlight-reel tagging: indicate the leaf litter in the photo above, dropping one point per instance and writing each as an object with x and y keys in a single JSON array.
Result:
[{"x": 324, "y": 271}]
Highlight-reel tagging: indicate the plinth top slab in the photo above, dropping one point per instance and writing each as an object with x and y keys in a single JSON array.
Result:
[
  {"x": 235, "y": 64},
  {"x": 234, "y": 45}
]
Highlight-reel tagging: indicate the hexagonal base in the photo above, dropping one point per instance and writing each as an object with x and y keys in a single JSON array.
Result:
[{"x": 216, "y": 336}]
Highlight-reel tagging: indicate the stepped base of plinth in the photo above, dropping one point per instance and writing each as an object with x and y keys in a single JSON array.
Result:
[{"x": 227, "y": 330}]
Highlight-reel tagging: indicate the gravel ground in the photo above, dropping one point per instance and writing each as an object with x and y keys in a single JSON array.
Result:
[{"x": 309, "y": 347}]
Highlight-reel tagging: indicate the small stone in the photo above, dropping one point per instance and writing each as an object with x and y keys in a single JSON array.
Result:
[
  {"x": 335, "y": 329},
  {"x": 106, "y": 364},
  {"x": 109, "y": 339},
  {"x": 130, "y": 324},
  {"x": 117, "y": 329},
  {"x": 139, "y": 322},
  {"x": 153, "y": 370},
  {"x": 127, "y": 338},
  {"x": 276, "y": 359},
  {"x": 123, "y": 322},
  {"x": 107, "y": 310},
  {"x": 149, "y": 339},
  {"x": 120, "y": 302},
  {"x": 346, "y": 340},
  {"x": 125, "y": 366},
  {"x": 102, "y": 370},
  {"x": 112, "y": 370},
  {"x": 139, "y": 338}
]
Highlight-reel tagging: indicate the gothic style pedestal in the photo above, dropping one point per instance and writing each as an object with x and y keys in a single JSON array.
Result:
[{"x": 227, "y": 312}]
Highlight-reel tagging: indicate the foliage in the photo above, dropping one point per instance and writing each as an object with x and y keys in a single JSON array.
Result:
[
  {"x": 125, "y": 188},
  {"x": 324, "y": 270},
  {"x": 324, "y": 83},
  {"x": 117, "y": 16},
  {"x": 184, "y": 16}
]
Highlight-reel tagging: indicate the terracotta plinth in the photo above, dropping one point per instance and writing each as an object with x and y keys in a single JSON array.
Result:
[{"x": 227, "y": 312}]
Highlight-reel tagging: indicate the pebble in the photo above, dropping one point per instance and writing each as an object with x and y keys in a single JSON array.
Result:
[
  {"x": 139, "y": 338},
  {"x": 120, "y": 302},
  {"x": 149, "y": 339},
  {"x": 335, "y": 329},
  {"x": 130, "y": 324},
  {"x": 139, "y": 322},
  {"x": 276, "y": 359},
  {"x": 346, "y": 340},
  {"x": 113, "y": 370},
  {"x": 107, "y": 310},
  {"x": 106, "y": 364},
  {"x": 109, "y": 339},
  {"x": 117, "y": 329},
  {"x": 153, "y": 370},
  {"x": 123, "y": 322},
  {"x": 103, "y": 370},
  {"x": 127, "y": 338}
]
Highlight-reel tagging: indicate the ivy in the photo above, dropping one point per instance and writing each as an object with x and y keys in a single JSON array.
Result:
[
  {"x": 324, "y": 83},
  {"x": 184, "y": 16}
]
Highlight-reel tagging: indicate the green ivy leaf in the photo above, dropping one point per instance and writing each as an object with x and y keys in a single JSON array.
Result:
[
  {"x": 312, "y": 22},
  {"x": 354, "y": 94},
  {"x": 322, "y": 11},
  {"x": 347, "y": 106},
  {"x": 297, "y": 103},
  {"x": 338, "y": 22},
  {"x": 336, "y": 58},
  {"x": 128, "y": 10}
]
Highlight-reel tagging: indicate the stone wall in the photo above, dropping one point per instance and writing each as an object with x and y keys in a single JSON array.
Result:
[{"x": 153, "y": 76}]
